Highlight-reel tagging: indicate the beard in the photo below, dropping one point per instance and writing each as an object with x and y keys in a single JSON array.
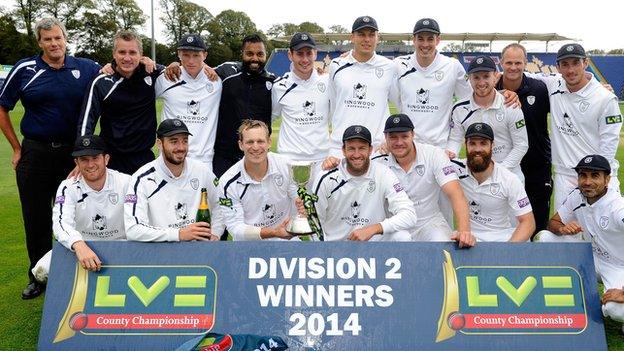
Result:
[
  {"x": 358, "y": 170},
  {"x": 247, "y": 66},
  {"x": 478, "y": 164}
]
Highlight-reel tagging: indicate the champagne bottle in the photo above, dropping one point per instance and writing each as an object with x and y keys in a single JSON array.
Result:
[{"x": 203, "y": 212}]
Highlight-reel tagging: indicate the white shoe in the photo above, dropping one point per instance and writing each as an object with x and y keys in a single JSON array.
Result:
[{"x": 42, "y": 268}]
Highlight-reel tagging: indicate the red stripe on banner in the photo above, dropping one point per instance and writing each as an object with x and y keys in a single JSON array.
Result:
[
  {"x": 525, "y": 321},
  {"x": 149, "y": 321}
]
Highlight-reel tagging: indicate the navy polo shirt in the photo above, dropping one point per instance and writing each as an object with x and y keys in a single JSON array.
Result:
[{"x": 51, "y": 97}]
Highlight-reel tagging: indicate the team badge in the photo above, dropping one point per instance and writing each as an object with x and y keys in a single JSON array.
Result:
[
  {"x": 371, "y": 186},
  {"x": 358, "y": 130},
  {"x": 426, "y": 22},
  {"x": 269, "y": 85},
  {"x": 420, "y": 169},
  {"x": 148, "y": 80},
  {"x": 189, "y": 39},
  {"x": 268, "y": 212},
  {"x": 604, "y": 222},
  {"x": 475, "y": 208},
  {"x": 500, "y": 115},
  {"x": 366, "y": 19},
  {"x": 113, "y": 198},
  {"x": 583, "y": 105},
  {"x": 209, "y": 88},
  {"x": 570, "y": 48},
  {"x": 588, "y": 159},
  {"x": 86, "y": 142},
  {"x": 531, "y": 99},
  {"x": 396, "y": 120},
  {"x": 194, "y": 183},
  {"x": 304, "y": 37},
  {"x": 479, "y": 60},
  {"x": 379, "y": 72},
  {"x": 494, "y": 188},
  {"x": 439, "y": 75},
  {"x": 478, "y": 127},
  {"x": 321, "y": 87},
  {"x": 279, "y": 180},
  {"x": 75, "y": 73}
]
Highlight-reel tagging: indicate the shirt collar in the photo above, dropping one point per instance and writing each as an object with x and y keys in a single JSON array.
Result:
[
  {"x": 201, "y": 76},
  {"x": 348, "y": 176},
  {"x": 392, "y": 162},
  {"x": 295, "y": 78},
  {"x": 69, "y": 62},
  {"x": 430, "y": 67},
  {"x": 160, "y": 163},
  {"x": 499, "y": 100},
  {"x": 370, "y": 61},
  {"x": 493, "y": 178},
  {"x": 108, "y": 184}
]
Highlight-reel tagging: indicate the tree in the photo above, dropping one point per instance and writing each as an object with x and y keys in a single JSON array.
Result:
[
  {"x": 452, "y": 47},
  {"x": 26, "y": 13},
  {"x": 13, "y": 44},
  {"x": 310, "y": 27},
  {"x": 616, "y": 52},
  {"x": 336, "y": 28},
  {"x": 181, "y": 17},
  {"x": 69, "y": 12},
  {"x": 125, "y": 13},
  {"x": 226, "y": 31},
  {"x": 288, "y": 29}
]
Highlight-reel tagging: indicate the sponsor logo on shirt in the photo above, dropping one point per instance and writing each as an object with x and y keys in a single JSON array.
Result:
[
  {"x": 475, "y": 213},
  {"x": 355, "y": 218},
  {"x": 131, "y": 199},
  {"x": 524, "y": 202},
  {"x": 422, "y": 102},
  {"x": 613, "y": 119},
  {"x": 270, "y": 216},
  {"x": 98, "y": 222},
  {"x": 59, "y": 200},
  {"x": 180, "y": 211},
  {"x": 448, "y": 170},
  {"x": 398, "y": 187},
  {"x": 568, "y": 128},
  {"x": 358, "y": 97},
  {"x": 521, "y": 123},
  {"x": 225, "y": 202},
  {"x": 192, "y": 107},
  {"x": 309, "y": 108}
]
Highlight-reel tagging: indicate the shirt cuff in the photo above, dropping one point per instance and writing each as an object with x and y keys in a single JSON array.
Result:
[
  {"x": 252, "y": 233},
  {"x": 173, "y": 234}
]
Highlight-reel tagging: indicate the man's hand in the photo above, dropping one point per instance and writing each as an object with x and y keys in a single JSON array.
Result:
[
  {"x": 107, "y": 69},
  {"x": 173, "y": 72},
  {"x": 87, "y": 258},
  {"x": 613, "y": 295},
  {"x": 74, "y": 174},
  {"x": 330, "y": 162},
  {"x": 511, "y": 98},
  {"x": 382, "y": 149},
  {"x": 464, "y": 238},
  {"x": 211, "y": 73},
  {"x": 280, "y": 231},
  {"x": 17, "y": 154},
  {"x": 365, "y": 233},
  {"x": 571, "y": 228},
  {"x": 196, "y": 231},
  {"x": 150, "y": 65},
  {"x": 451, "y": 155}
]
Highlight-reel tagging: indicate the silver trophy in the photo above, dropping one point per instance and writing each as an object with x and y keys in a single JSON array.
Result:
[{"x": 300, "y": 174}]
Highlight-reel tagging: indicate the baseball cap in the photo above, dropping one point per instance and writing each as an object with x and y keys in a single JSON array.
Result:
[
  {"x": 357, "y": 132},
  {"x": 481, "y": 130},
  {"x": 191, "y": 42},
  {"x": 594, "y": 163},
  {"x": 364, "y": 22},
  {"x": 481, "y": 63},
  {"x": 571, "y": 50},
  {"x": 171, "y": 127},
  {"x": 398, "y": 123},
  {"x": 302, "y": 40},
  {"x": 427, "y": 25},
  {"x": 89, "y": 145}
]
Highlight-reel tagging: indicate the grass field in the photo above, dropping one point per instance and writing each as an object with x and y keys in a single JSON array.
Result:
[{"x": 20, "y": 322}]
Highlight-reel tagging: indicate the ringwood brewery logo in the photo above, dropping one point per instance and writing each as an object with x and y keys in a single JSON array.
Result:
[
  {"x": 495, "y": 300},
  {"x": 140, "y": 300}
]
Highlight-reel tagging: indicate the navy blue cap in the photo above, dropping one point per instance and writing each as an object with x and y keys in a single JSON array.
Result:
[
  {"x": 302, "y": 40},
  {"x": 480, "y": 130},
  {"x": 481, "y": 63},
  {"x": 594, "y": 163},
  {"x": 398, "y": 123},
  {"x": 426, "y": 25},
  {"x": 357, "y": 132},
  {"x": 191, "y": 42},
  {"x": 89, "y": 145},
  {"x": 571, "y": 50},
  {"x": 364, "y": 22},
  {"x": 171, "y": 127}
]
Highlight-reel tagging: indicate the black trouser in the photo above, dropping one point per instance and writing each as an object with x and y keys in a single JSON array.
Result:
[
  {"x": 539, "y": 189},
  {"x": 40, "y": 170},
  {"x": 221, "y": 162},
  {"x": 129, "y": 163}
]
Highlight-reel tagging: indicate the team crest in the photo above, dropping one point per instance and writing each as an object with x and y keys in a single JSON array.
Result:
[
  {"x": 180, "y": 211},
  {"x": 494, "y": 188},
  {"x": 209, "y": 87},
  {"x": 148, "y": 80},
  {"x": 192, "y": 107},
  {"x": 269, "y": 85},
  {"x": 75, "y": 73},
  {"x": 268, "y": 212},
  {"x": 309, "y": 108},
  {"x": 194, "y": 183},
  {"x": 371, "y": 186},
  {"x": 500, "y": 115},
  {"x": 604, "y": 222},
  {"x": 359, "y": 91},
  {"x": 279, "y": 180},
  {"x": 396, "y": 120},
  {"x": 588, "y": 159},
  {"x": 420, "y": 169},
  {"x": 355, "y": 210},
  {"x": 422, "y": 96},
  {"x": 480, "y": 60},
  {"x": 86, "y": 142},
  {"x": 439, "y": 75},
  {"x": 379, "y": 72},
  {"x": 99, "y": 222},
  {"x": 531, "y": 99},
  {"x": 583, "y": 106},
  {"x": 570, "y": 48},
  {"x": 321, "y": 87},
  {"x": 113, "y": 198}
]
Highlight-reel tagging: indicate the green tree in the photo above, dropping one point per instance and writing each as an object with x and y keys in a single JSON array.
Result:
[
  {"x": 181, "y": 17},
  {"x": 13, "y": 44},
  {"x": 616, "y": 52},
  {"x": 227, "y": 30},
  {"x": 26, "y": 13},
  {"x": 336, "y": 28},
  {"x": 69, "y": 12},
  {"x": 310, "y": 27}
]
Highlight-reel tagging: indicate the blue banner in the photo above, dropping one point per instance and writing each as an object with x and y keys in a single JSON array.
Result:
[{"x": 324, "y": 296}]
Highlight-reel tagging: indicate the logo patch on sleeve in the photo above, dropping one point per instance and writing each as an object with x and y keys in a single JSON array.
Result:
[
  {"x": 524, "y": 202},
  {"x": 225, "y": 202},
  {"x": 59, "y": 200},
  {"x": 521, "y": 123},
  {"x": 448, "y": 170},
  {"x": 613, "y": 119},
  {"x": 398, "y": 187},
  {"x": 131, "y": 199}
]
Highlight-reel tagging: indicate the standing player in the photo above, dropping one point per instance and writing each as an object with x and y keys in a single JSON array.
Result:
[
  {"x": 584, "y": 119},
  {"x": 351, "y": 197},
  {"x": 301, "y": 98},
  {"x": 257, "y": 194},
  {"x": 426, "y": 171},
  {"x": 494, "y": 194},
  {"x": 163, "y": 196},
  {"x": 360, "y": 86},
  {"x": 597, "y": 210},
  {"x": 536, "y": 163},
  {"x": 193, "y": 99},
  {"x": 486, "y": 105}
]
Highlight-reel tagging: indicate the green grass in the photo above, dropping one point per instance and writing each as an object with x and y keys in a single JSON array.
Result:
[{"x": 21, "y": 319}]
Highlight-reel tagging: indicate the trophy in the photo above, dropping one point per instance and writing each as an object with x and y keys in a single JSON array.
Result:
[{"x": 300, "y": 174}]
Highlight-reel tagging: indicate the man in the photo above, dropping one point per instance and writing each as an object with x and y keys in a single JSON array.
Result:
[
  {"x": 536, "y": 163},
  {"x": 193, "y": 99},
  {"x": 125, "y": 102},
  {"x": 301, "y": 98},
  {"x": 494, "y": 193},
  {"x": 351, "y": 197},
  {"x": 584, "y": 119},
  {"x": 360, "y": 85},
  {"x": 426, "y": 171},
  {"x": 257, "y": 194},
  {"x": 51, "y": 87},
  {"x": 163, "y": 197},
  {"x": 485, "y": 105},
  {"x": 246, "y": 95},
  {"x": 596, "y": 211},
  {"x": 89, "y": 208}
]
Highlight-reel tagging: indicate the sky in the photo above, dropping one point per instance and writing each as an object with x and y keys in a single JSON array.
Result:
[{"x": 597, "y": 27}]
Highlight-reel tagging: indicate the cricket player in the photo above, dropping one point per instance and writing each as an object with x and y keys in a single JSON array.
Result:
[
  {"x": 486, "y": 105},
  {"x": 257, "y": 195},
  {"x": 163, "y": 196},
  {"x": 494, "y": 193},
  {"x": 594, "y": 211},
  {"x": 88, "y": 208},
  {"x": 360, "y": 84},
  {"x": 194, "y": 98},
  {"x": 426, "y": 171},
  {"x": 351, "y": 197},
  {"x": 584, "y": 119}
]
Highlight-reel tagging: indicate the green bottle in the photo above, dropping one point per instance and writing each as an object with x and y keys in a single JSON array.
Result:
[{"x": 203, "y": 212}]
